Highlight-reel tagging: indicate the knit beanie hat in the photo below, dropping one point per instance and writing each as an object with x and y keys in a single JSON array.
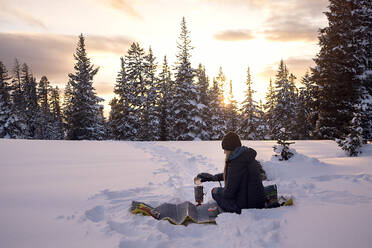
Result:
[{"x": 231, "y": 141}]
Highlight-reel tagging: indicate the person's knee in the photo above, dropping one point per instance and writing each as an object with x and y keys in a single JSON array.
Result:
[{"x": 214, "y": 191}]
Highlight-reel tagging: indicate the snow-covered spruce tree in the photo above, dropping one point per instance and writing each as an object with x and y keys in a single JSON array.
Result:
[
  {"x": 283, "y": 114},
  {"x": 269, "y": 110},
  {"x": 353, "y": 141},
  {"x": 341, "y": 64},
  {"x": 166, "y": 89},
  {"x": 55, "y": 109},
  {"x": 18, "y": 99},
  {"x": 46, "y": 118},
  {"x": 17, "y": 126},
  {"x": 102, "y": 123},
  {"x": 202, "y": 85},
  {"x": 135, "y": 68},
  {"x": 231, "y": 111},
  {"x": 115, "y": 117},
  {"x": 303, "y": 109},
  {"x": 263, "y": 129},
  {"x": 150, "y": 113},
  {"x": 5, "y": 103},
  {"x": 184, "y": 102},
  {"x": 123, "y": 123},
  {"x": 252, "y": 126},
  {"x": 67, "y": 108},
  {"x": 32, "y": 110},
  {"x": 217, "y": 114},
  {"x": 84, "y": 111},
  {"x": 362, "y": 37}
]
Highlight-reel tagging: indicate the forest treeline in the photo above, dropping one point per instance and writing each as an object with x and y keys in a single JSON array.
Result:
[{"x": 179, "y": 102}]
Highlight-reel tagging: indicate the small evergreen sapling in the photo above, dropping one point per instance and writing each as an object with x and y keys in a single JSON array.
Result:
[
  {"x": 353, "y": 142},
  {"x": 282, "y": 150}
]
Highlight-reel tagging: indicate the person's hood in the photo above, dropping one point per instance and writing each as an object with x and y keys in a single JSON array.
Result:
[{"x": 244, "y": 153}]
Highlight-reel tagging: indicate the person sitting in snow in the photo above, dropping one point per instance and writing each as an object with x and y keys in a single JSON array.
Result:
[{"x": 243, "y": 186}]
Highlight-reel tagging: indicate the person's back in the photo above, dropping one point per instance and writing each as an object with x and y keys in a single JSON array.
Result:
[{"x": 250, "y": 192}]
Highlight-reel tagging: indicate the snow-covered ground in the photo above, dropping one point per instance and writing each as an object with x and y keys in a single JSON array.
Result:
[{"x": 77, "y": 194}]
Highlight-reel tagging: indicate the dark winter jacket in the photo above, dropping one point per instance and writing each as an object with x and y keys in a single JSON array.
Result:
[{"x": 243, "y": 183}]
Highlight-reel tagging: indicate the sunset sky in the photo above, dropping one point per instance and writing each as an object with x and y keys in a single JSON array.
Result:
[{"x": 233, "y": 34}]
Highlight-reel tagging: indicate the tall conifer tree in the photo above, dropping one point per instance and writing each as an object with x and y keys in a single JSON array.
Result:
[
  {"x": 337, "y": 69},
  {"x": 283, "y": 115},
  {"x": 55, "y": 109},
  {"x": 304, "y": 108},
  {"x": 84, "y": 115},
  {"x": 202, "y": 85},
  {"x": 46, "y": 118},
  {"x": 135, "y": 68},
  {"x": 252, "y": 125},
  {"x": 362, "y": 43},
  {"x": 19, "y": 127},
  {"x": 150, "y": 120},
  {"x": 32, "y": 110},
  {"x": 184, "y": 105},
  {"x": 123, "y": 122},
  {"x": 217, "y": 117},
  {"x": 166, "y": 88},
  {"x": 270, "y": 110},
  {"x": 5, "y": 104},
  {"x": 231, "y": 110}
]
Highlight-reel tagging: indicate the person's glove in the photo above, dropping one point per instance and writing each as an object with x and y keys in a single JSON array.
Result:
[{"x": 206, "y": 177}]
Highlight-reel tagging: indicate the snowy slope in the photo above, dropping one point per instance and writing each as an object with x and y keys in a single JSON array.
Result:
[{"x": 77, "y": 194}]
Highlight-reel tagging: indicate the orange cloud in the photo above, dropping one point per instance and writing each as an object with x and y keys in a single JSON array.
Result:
[
  {"x": 290, "y": 20},
  {"x": 296, "y": 65},
  {"x": 51, "y": 54},
  {"x": 291, "y": 31},
  {"x": 234, "y": 35},
  {"x": 294, "y": 20}
]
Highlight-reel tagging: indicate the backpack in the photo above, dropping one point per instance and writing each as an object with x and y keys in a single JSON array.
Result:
[{"x": 271, "y": 196}]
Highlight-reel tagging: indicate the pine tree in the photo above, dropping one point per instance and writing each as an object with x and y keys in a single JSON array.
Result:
[
  {"x": 166, "y": 88},
  {"x": 84, "y": 111},
  {"x": 5, "y": 103},
  {"x": 353, "y": 141},
  {"x": 362, "y": 40},
  {"x": 184, "y": 105},
  {"x": 18, "y": 127},
  {"x": 283, "y": 114},
  {"x": 123, "y": 123},
  {"x": 202, "y": 85},
  {"x": 55, "y": 109},
  {"x": 217, "y": 106},
  {"x": 67, "y": 108},
  {"x": 19, "y": 102},
  {"x": 263, "y": 129},
  {"x": 135, "y": 68},
  {"x": 150, "y": 113},
  {"x": 217, "y": 116},
  {"x": 252, "y": 126},
  {"x": 270, "y": 110},
  {"x": 231, "y": 111},
  {"x": 32, "y": 110},
  {"x": 115, "y": 118},
  {"x": 46, "y": 118},
  {"x": 339, "y": 64},
  {"x": 304, "y": 108}
]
